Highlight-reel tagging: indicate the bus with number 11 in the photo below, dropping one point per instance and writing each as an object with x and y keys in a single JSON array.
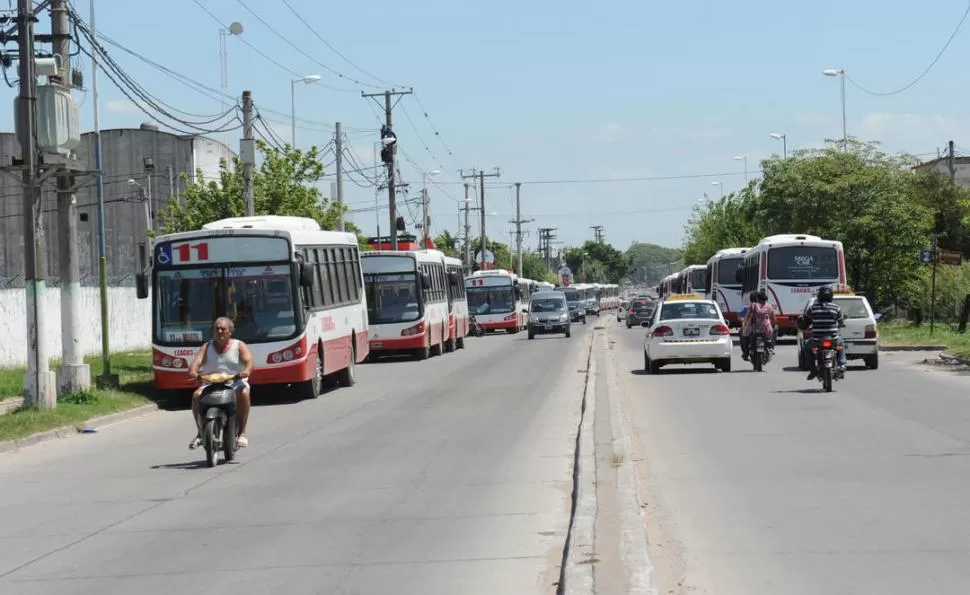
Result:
[{"x": 294, "y": 292}]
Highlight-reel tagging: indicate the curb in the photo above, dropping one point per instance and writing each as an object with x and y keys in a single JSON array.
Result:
[
  {"x": 634, "y": 541},
  {"x": 913, "y": 347},
  {"x": 68, "y": 431},
  {"x": 576, "y": 573}
]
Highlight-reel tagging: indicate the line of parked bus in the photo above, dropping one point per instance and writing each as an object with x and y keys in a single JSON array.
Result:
[
  {"x": 310, "y": 304},
  {"x": 788, "y": 267}
]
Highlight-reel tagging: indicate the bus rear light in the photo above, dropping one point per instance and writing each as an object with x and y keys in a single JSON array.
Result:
[
  {"x": 720, "y": 329},
  {"x": 417, "y": 329},
  {"x": 871, "y": 332},
  {"x": 163, "y": 360},
  {"x": 511, "y": 317},
  {"x": 663, "y": 331},
  {"x": 289, "y": 353}
]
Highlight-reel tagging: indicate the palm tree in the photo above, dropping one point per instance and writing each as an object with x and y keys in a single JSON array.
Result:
[{"x": 447, "y": 243}]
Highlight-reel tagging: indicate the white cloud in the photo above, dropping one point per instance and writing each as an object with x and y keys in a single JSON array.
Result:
[{"x": 121, "y": 106}]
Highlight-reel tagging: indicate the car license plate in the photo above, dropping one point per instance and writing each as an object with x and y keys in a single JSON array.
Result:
[
  {"x": 377, "y": 345},
  {"x": 547, "y": 326},
  {"x": 692, "y": 332}
]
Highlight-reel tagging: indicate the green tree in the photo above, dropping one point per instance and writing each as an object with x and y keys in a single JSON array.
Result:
[
  {"x": 447, "y": 243},
  {"x": 283, "y": 184},
  {"x": 534, "y": 267},
  {"x": 602, "y": 262},
  {"x": 649, "y": 263}
]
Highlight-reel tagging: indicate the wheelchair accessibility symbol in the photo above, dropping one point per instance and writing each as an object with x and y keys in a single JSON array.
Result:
[{"x": 163, "y": 255}]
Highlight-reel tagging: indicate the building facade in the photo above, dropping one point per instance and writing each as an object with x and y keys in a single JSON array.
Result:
[{"x": 154, "y": 159}]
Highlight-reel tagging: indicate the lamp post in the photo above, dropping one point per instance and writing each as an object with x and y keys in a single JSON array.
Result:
[
  {"x": 305, "y": 80},
  {"x": 840, "y": 72},
  {"x": 719, "y": 185},
  {"x": 745, "y": 159},
  {"x": 784, "y": 142}
]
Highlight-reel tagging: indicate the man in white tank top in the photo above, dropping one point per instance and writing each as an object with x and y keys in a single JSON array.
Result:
[{"x": 224, "y": 355}]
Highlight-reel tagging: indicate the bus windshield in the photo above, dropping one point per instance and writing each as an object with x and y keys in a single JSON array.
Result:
[
  {"x": 258, "y": 299},
  {"x": 497, "y": 299},
  {"x": 698, "y": 280},
  {"x": 392, "y": 297},
  {"x": 796, "y": 263},
  {"x": 727, "y": 269},
  {"x": 572, "y": 295}
]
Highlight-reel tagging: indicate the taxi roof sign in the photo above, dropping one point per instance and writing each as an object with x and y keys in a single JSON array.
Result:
[
  {"x": 678, "y": 297},
  {"x": 842, "y": 290}
]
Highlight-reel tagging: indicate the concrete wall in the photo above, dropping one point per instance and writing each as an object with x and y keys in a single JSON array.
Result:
[
  {"x": 130, "y": 322},
  {"x": 123, "y": 152}
]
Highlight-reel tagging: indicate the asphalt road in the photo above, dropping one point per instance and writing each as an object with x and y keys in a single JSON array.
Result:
[
  {"x": 761, "y": 483},
  {"x": 451, "y": 475}
]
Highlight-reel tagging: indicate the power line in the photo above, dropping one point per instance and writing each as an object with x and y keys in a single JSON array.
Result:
[
  {"x": 306, "y": 55},
  {"x": 926, "y": 71},
  {"x": 625, "y": 180}
]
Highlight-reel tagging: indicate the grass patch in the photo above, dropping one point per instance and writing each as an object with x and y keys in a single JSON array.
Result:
[
  {"x": 133, "y": 368},
  {"x": 910, "y": 334},
  {"x": 72, "y": 409}
]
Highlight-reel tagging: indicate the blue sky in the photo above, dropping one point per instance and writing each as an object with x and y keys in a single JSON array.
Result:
[{"x": 565, "y": 91}]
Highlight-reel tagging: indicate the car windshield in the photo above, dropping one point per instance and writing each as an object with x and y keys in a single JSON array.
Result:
[
  {"x": 258, "y": 299},
  {"x": 698, "y": 310},
  {"x": 490, "y": 300},
  {"x": 547, "y": 305},
  {"x": 852, "y": 307},
  {"x": 392, "y": 298},
  {"x": 640, "y": 305}
]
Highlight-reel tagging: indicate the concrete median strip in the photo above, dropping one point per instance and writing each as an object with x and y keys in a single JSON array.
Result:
[
  {"x": 913, "y": 347},
  {"x": 69, "y": 431}
]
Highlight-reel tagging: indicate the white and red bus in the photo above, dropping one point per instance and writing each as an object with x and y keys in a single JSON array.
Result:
[
  {"x": 407, "y": 301},
  {"x": 294, "y": 292},
  {"x": 457, "y": 304},
  {"x": 790, "y": 268},
  {"x": 668, "y": 285},
  {"x": 691, "y": 279},
  {"x": 725, "y": 287},
  {"x": 497, "y": 298}
]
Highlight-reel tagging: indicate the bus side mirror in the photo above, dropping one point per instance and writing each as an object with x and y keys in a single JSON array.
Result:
[
  {"x": 307, "y": 275},
  {"x": 141, "y": 285},
  {"x": 425, "y": 281}
]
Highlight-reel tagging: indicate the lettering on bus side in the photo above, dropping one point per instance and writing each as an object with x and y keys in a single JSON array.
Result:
[
  {"x": 802, "y": 289},
  {"x": 327, "y": 324},
  {"x": 180, "y": 352}
]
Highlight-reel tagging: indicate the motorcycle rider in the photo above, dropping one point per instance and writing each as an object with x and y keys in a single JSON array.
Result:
[
  {"x": 744, "y": 335},
  {"x": 824, "y": 317},
  {"x": 760, "y": 318},
  {"x": 772, "y": 337},
  {"x": 223, "y": 355}
]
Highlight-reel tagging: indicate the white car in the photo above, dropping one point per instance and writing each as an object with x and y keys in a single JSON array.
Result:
[
  {"x": 687, "y": 329},
  {"x": 860, "y": 333}
]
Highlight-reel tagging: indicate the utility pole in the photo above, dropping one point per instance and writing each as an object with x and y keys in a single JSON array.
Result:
[
  {"x": 339, "y": 147},
  {"x": 518, "y": 227},
  {"x": 545, "y": 243},
  {"x": 597, "y": 233},
  {"x": 73, "y": 374},
  {"x": 247, "y": 153},
  {"x": 39, "y": 381},
  {"x": 389, "y": 150},
  {"x": 468, "y": 232},
  {"x": 951, "y": 163},
  {"x": 481, "y": 175}
]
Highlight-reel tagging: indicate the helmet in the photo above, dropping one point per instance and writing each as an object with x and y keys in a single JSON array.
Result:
[
  {"x": 825, "y": 293},
  {"x": 762, "y": 297}
]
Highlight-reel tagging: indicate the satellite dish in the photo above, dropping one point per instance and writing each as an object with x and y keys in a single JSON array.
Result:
[{"x": 235, "y": 28}]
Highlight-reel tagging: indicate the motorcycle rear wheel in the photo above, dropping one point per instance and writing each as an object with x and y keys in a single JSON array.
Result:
[{"x": 827, "y": 379}]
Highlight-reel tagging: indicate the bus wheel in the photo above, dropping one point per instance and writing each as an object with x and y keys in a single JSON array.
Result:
[
  {"x": 313, "y": 387},
  {"x": 450, "y": 345},
  {"x": 348, "y": 376},
  {"x": 460, "y": 343}
]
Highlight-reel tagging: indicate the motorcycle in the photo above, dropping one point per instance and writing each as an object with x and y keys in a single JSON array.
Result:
[
  {"x": 760, "y": 354},
  {"x": 823, "y": 351},
  {"x": 217, "y": 417}
]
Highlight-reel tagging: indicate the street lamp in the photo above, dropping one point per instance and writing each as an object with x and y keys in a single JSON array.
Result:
[
  {"x": 784, "y": 142},
  {"x": 745, "y": 159},
  {"x": 425, "y": 219},
  {"x": 305, "y": 80},
  {"x": 721, "y": 186},
  {"x": 840, "y": 72},
  {"x": 235, "y": 28},
  {"x": 146, "y": 198}
]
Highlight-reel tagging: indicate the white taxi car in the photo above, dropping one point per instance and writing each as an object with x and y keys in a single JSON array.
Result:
[
  {"x": 861, "y": 332},
  {"x": 687, "y": 329}
]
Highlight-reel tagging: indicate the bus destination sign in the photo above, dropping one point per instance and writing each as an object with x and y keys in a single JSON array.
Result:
[{"x": 222, "y": 249}]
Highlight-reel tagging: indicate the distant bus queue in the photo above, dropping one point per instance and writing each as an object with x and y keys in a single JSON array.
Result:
[{"x": 789, "y": 268}]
